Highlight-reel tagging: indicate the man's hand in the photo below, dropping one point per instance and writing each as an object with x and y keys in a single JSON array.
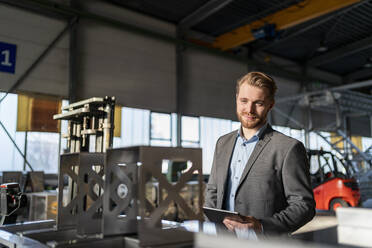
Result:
[{"x": 243, "y": 222}]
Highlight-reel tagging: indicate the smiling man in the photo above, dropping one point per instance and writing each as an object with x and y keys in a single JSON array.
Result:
[{"x": 258, "y": 172}]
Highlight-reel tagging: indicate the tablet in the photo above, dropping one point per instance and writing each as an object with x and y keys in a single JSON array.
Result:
[{"x": 218, "y": 215}]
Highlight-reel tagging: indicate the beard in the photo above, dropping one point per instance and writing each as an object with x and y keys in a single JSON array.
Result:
[{"x": 256, "y": 120}]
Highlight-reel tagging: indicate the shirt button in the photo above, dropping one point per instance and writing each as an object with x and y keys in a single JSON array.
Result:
[
  {"x": 239, "y": 161},
  {"x": 236, "y": 178},
  {"x": 232, "y": 195}
]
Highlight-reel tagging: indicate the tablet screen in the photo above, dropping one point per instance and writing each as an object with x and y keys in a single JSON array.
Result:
[{"x": 218, "y": 215}]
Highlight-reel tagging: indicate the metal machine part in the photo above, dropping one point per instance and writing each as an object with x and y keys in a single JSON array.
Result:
[
  {"x": 91, "y": 117},
  {"x": 85, "y": 205},
  {"x": 11, "y": 200},
  {"x": 120, "y": 205},
  {"x": 131, "y": 175},
  {"x": 152, "y": 159},
  {"x": 112, "y": 202}
]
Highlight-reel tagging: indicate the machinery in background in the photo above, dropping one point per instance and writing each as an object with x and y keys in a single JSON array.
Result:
[
  {"x": 115, "y": 197},
  {"x": 332, "y": 182},
  {"x": 113, "y": 206},
  {"x": 41, "y": 204},
  {"x": 93, "y": 117},
  {"x": 88, "y": 120},
  {"x": 11, "y": 200}
]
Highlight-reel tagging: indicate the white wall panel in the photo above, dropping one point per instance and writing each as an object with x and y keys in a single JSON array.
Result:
[
  {"x": 140, "y": 71},
  {"x": 32, "y": 33}
]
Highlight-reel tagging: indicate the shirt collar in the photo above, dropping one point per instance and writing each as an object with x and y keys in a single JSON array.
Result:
[{"x": 257, "y": 135}]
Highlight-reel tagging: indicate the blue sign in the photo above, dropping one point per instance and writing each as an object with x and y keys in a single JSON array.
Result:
[{"x": 7, "y": 57}]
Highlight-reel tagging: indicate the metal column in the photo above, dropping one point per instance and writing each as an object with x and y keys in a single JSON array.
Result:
[{"x": 179, "y": 82}]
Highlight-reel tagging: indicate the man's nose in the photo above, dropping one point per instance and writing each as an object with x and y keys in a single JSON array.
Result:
[{"x": 249, "y": 107}]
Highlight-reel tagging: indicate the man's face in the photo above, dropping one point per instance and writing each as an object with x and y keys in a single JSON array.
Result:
[{"x": 252, "y": 106}]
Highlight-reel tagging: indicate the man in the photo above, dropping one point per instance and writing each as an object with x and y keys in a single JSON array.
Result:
[{"x": 258, "y": 172}]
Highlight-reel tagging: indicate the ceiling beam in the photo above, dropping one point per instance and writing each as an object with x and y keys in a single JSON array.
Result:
[
  {"x": 202, "y": 13},
  {"x": 309, "y": 27},
  {"x": 357, "y": 85},
  {"x": 270, "y": 59},
  {"x": 24, "y": 4},
  {"x": 283, "y": 19},
  {"x": 359, "y": 74},
  {"x": 195, "y": 35},
  {"x": 341, "y": 52}
]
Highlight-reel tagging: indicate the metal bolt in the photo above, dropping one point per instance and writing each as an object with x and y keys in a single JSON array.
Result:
[{"x": 122, "y": 191}]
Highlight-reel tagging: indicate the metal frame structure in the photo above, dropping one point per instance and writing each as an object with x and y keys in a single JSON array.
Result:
[
  {"x": 120, "y": 205},
  {"x": 342, "y": 103},
  {"x": 75, "y": 167},
  {"x": 286, "y": 18},
  {"x": 151, "y": 159},
  {"x": 90, "y": 190},
  {"x": 202, "y": 13}
]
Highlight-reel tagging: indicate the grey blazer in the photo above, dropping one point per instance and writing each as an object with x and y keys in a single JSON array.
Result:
[{"x": 275, "y": 184}]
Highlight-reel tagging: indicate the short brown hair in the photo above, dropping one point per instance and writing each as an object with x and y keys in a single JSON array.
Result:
[{"x": 260, "y": 80}]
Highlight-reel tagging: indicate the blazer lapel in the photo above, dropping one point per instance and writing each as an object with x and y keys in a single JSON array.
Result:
[{"x": 256, "y": 152}]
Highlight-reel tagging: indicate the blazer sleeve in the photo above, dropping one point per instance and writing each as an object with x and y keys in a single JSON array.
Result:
[
  {"x": 300, "y": 207},
  {"x": 211, "y": 189}
]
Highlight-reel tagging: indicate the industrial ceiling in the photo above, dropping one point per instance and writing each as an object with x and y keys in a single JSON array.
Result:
[{"x": 333, "y": 36}]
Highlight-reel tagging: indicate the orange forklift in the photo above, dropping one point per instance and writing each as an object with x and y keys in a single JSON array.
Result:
[{"x": 332, "y": 182}]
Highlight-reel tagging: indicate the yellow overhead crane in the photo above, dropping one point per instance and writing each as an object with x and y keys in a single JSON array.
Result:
[{"x": 283, "y": 19}]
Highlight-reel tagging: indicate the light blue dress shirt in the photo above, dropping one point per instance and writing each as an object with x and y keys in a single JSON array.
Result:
[{"x": 242, "y": 151}]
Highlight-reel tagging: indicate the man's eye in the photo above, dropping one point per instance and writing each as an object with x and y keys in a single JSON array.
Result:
[{"x": 259, "y": 104}]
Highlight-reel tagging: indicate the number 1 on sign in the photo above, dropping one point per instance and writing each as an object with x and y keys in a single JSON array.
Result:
[{"x": 6, "y": 54}]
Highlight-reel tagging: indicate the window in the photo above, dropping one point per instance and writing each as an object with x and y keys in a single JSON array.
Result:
[
  {"x": 161, "y": 131},
  {"x": 367, "y": 144},
  {"x": 284, "y": 130},
  {"x": 297, "y": 134},
  {"x": 42, "y": 151},
  {"x": 190, "y": 131},
  {"x": 134, "y": 127},
  {"x": 210, "y": 130},
  {"x": 11, "y": 159},
  {"x": 40, "y": 148},
  {"x": 318, "y": 143},
  {"x": 235, "y": 125}
]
